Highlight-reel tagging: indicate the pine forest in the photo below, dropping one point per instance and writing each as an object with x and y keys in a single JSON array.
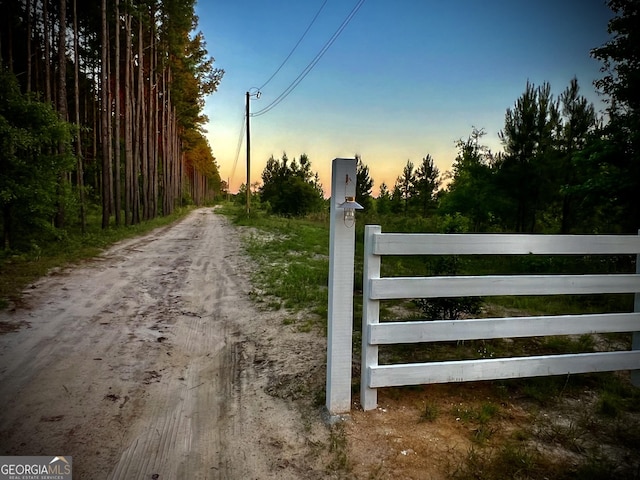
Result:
[{"x": 101, "y": 112}]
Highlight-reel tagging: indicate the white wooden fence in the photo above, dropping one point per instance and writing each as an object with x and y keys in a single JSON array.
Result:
[{"x": 374, "y": 333}]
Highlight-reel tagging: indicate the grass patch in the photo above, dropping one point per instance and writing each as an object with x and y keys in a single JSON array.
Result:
[
  {"x": 560, "y": 304},
  {"x": 509, "y": 461},
  {"x": 19, "y": 269},
  {"x": 479, "y": 419},
  {"x": 338, "y": 449},
  {"x": 430, "y": 412},
  {"x": 519, "y": 461},
  {"x": 291, "y": 262}
]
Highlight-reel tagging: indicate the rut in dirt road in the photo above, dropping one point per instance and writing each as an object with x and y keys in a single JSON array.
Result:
[{"x": 148, "y": 363}]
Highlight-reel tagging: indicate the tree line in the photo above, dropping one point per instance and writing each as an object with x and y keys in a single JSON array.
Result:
[
  {"x": 100, "y": 106},
  {"x": 563, "y": 168}
]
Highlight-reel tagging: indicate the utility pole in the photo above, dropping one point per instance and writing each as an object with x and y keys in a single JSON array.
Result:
[
  {"x": 248, "y": 115},
  {"x": 248, "y": 159}
]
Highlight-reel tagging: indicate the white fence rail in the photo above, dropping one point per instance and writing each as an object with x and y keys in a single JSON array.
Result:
[{"x": 374, "y": 333}]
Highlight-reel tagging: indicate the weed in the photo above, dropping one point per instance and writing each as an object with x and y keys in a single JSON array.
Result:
[
  {"x": 564, "y": 304},
  {"x": 274, "y": 305},
  {"x": 609, "y": 405},
  {"x": 482, "y": 434},
  {"x": 487, "y": 412},
  {"x": 502, "y": 391},
  {"x": 462, "y": 414},
  {"x": 588, "y": 421},
  {"x": 619, "y": 392},
  {"x": 519, "y": 458},
  {"x": 338, "y": 448},
  {"x": 511, "y": 460},
  {"x": 598, "y": 467},
  {"x": 565, "y": 344},
  {"x": 319, "y": 397},
  {"x": 521, "y": 435},
  {"x": 430, "y": 412},
  {"x": 481, "y": 415},
  {"x": 626, "y": 432},
  {"x": 479, "y": 418},
  {"x": 543, "y": 390},
  {"x": 562, "y": 432},
  {"x": 306, "y": 327}
]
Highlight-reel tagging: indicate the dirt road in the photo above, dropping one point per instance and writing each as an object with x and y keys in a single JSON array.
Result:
[{"x": 151, "y": 362}]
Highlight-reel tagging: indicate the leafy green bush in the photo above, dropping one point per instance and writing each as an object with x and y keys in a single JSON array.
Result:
[{"x": 34, "y": 164}]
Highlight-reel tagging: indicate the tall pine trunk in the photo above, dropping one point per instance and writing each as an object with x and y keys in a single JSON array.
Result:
[
  {"x": 164, "y": 127},
  {"x": 47, "y": 51},
  {"x": 62, "y": 105},
  {"x": 29, "y": 55},
  {"x": 137, "y": 156},
  {"x": 128, "y": 120},
  {"x": 117, "y": 126},
  {"x": 144, "y": 166},
  {"x": 153, "y": 124},
  {"x": 76, "y": 95},
  {"x": 106, "y": 161}
]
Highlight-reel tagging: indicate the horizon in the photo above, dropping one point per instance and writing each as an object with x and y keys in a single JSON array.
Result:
[{"x": 444, "y": 71}]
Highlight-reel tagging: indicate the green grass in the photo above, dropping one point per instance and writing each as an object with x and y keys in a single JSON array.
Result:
[
  {"x": 20, "y": 268},
  {"x": 338, "y": 449},
  {"x": 562, "y": 304},
  {"x": 291, "y": 257},
  {"x": 511, "y": 460},
  {"x": 480, "y": 415},
  {"x": 430, "y": 412},
  {"x": 291, "y": 262},
  {"x": 520, "y": 456}
]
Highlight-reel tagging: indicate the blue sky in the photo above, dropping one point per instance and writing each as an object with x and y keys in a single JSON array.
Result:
[{"x": 405, "y": 78}]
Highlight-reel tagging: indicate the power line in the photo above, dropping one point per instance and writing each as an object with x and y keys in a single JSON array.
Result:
[
  {"x": 296, "y": 45},
  {"x": 311, "y": 64}
]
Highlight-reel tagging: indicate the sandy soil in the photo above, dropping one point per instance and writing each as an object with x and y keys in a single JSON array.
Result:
[{"x": 151, "y": 362}]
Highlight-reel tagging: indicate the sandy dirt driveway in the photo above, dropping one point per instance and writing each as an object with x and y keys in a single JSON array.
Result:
[{"x": 151, "y": 362}]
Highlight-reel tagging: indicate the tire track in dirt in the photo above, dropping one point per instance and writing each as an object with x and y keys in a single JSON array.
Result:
[{"x": 151, "y": 362}]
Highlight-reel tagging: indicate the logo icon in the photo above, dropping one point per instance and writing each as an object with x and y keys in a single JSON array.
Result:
[{"x": 36, "y": 468}]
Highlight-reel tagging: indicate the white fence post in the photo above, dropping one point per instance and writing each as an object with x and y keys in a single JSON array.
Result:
[
  {"x": 635, "y": 339},
  {"x": 341, "y": 267},
  {"x": 370, "y": 316}
]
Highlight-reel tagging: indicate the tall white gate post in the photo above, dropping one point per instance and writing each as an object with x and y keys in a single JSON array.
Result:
[
  {"x": 635, "y": 339},
  {"x": 341, "y": 265}
]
